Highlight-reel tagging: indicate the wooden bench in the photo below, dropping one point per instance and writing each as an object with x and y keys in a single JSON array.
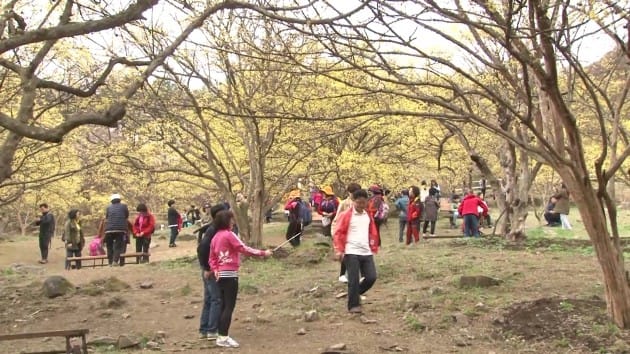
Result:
[
  {"x": 103, "y": 259},
  {"x": 69, "y": 334}
]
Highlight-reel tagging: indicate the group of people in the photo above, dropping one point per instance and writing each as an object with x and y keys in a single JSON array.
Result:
[{"x": 115, "y": 233}]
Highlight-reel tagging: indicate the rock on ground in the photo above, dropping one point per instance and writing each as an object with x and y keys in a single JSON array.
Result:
[
  {"x": 146, "y": 285},
  {"x": 311, "y": 316},
  {"x": 125, "y": 342},
  {"x": 56, "y": 286},
  {"x": 480, "y": 281}
]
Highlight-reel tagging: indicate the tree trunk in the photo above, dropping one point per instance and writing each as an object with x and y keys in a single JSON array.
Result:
[
  {"x": 23, "y": 222},
  {"x": 256, "y": 225},
  {"x": 617, "y": 289}
]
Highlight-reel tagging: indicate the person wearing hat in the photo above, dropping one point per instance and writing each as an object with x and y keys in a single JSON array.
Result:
[
  {"x": 376, "y": 208},
  {"x": 328, "y": 209},
  {"x": 116, "y": 227},
  {"x": 293, "y": 206}
]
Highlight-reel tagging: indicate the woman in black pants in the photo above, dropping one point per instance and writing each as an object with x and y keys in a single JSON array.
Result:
[
  {"x": 343, "y": 206},
  {"x": 225, "y": 261}
]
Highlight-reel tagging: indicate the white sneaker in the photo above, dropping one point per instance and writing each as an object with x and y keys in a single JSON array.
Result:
[
  {"x": 227, "y": 342},
  {"x": 363, "y": 297},
  {"x": 212, "y": 336},
  {"x": 343, "y": 279}
]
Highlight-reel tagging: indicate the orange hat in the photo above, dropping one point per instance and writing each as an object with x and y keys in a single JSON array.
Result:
[{"x": 328, "y": 190}]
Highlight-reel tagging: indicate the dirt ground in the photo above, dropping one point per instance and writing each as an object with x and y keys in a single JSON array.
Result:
[{"x": 548, "y": 300}]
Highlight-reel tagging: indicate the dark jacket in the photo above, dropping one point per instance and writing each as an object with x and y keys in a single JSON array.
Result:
[
  {"x": 116, "y": 217},
  {"x": 173, "y": 217},
  {"x": 431, "y": 208},
  {"x": 46, "y": 225},
  {"x": 73, "y": 233},
  {"x": 203, "y": 249}
]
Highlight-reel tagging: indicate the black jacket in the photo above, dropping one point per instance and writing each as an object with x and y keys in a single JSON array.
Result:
[
  {"x": 116, "y": 217},
  {"x": 203, "y": 249},
  {"x": 173, "y": 215},
  {"x": 46, "y": 225}
]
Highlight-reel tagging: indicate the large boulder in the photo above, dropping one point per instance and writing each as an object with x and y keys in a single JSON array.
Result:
[{"x": 56, "y": 285}]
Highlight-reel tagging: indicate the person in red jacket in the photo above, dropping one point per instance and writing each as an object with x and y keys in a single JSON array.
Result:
[
  {"x": 414, "y": 213},
  {"x": 355, "y": 242},
  {"x": 470, "y": 213},
  {"x": 143, "y": 228}
]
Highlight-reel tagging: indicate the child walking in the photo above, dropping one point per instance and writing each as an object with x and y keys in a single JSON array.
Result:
[{"x": 225, "y": 261}]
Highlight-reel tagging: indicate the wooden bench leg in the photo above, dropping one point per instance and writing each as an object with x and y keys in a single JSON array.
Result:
[
  {"x": 68, "y": 347},
  {"x": 84, "y": 344}
]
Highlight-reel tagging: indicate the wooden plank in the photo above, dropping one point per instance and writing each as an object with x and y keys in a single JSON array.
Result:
[
  {"x": 139, "y": 254},
  {"x": 61, "y": 333},
  {"x": 89, "y": 258},
  {"x": 86, "y": 258}
]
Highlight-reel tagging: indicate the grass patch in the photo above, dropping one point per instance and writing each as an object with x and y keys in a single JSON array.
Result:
[
  {"x": 8, "y": 272},
  {"x": 185, "y": 290},
  {"x": 414, "y": 324}
]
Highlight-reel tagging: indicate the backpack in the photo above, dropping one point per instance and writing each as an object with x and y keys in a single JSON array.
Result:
[
  {"x": 380, "y": 212},
  {"x": 384, "y": 211},
  {"x": 305, "y": 214}
]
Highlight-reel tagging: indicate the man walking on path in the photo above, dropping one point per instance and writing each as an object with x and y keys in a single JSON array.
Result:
[
  {"x": 46, "y": 224},
  {"x": 355, "y": 242}
]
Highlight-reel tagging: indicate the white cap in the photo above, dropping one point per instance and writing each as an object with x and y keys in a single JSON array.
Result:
[{"x": 115, "y": 196}]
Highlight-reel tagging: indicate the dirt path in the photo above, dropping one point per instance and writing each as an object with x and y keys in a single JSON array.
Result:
[{"x": 416, "y": 303}]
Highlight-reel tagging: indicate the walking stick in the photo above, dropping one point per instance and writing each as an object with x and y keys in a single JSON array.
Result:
[{"x": 287, "y": 241}]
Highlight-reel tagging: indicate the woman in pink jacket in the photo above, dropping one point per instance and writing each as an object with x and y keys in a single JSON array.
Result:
[{"x": 225, "y": 261}]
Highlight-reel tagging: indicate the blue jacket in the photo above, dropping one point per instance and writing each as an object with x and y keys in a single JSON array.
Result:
[{"x": 401, "y": 204}]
